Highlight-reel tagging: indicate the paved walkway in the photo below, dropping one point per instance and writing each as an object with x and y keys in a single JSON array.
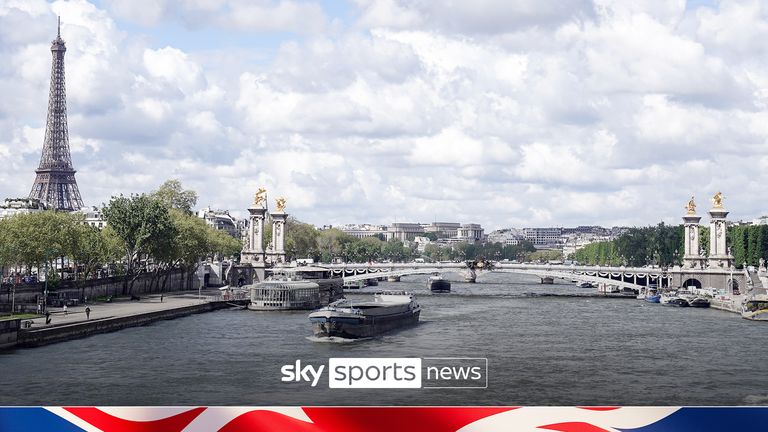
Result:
[{"x": 119, "y": 308}]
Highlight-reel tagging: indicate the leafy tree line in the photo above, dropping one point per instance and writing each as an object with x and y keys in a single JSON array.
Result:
[
  {"x": 664, "y": 245},
  {"x": 661, "y": 245},
  {"x": 304, "y": 241},
  {"x": 154, "y": 232}
]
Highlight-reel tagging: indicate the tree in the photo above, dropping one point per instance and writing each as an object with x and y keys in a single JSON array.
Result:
[
  {"x": 91, "y": 248},
  {"x": 173, "y": 195},
  {"x": 329, "y": 244},
  {"x": 300, "y": 240},
  {"x": 395, "y": 251},
  {"x": 545, "y": 255},
  {"x": 142, "y": 223}
]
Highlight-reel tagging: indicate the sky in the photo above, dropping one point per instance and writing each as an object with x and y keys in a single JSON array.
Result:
[{"x": 508, "y": 114}]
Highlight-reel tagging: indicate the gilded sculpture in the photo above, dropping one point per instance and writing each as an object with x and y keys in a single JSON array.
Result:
[
  {"x": 691, "y": 206},
  {"x": 260, "y": 198},
  {"x": 717, "y": 200},
  {"x": 280, "y": 203}
]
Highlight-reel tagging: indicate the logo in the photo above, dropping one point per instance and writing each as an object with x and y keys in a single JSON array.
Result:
[{"x": 379, "y": 373}]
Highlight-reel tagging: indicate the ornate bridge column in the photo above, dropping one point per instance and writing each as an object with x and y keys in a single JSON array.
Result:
[
  {"x": 719, "y": 255},
  {"x": 278, "y": 231},
  {"x": 692, "y": 257},
  {"x": 253, "y": 249}
]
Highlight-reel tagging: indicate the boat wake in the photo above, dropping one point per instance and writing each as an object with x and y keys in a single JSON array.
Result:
[
  {"x": 756, "y": 399},
  {"x": 334, "y": 339}
]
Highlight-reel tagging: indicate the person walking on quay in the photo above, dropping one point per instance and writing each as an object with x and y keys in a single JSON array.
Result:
[
  {"x": 65, "y": 310},
  {"x": 47, "y": 317},
  {"x": 161, "y": 297},
  {"x": 87, "y": 313},
  {"x": 39, "y": 309}
]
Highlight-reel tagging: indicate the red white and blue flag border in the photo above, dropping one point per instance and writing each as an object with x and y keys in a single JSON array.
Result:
[{"x": 401, "y": 419}]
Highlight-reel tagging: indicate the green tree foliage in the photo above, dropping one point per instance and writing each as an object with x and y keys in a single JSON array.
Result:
[
  {"x": 664, "y": 245},
  {"x": 173, "y": 195},
  {"x": 301, "y": 240},
  {"x": 394, "y": 250},
  {"x": 146, "y": 232},
  {"x": 144, "y": 225},
  {"x": 544, "y": 256}
]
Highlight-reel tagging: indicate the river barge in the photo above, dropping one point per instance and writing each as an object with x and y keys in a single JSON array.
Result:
[{"x": 349, "y": 319}]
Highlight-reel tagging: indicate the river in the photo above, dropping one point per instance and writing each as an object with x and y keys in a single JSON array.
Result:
[{"x": 541, "y": 350}]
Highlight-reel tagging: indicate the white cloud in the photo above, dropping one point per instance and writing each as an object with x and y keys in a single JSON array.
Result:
[{"x": 502, "y": 113}]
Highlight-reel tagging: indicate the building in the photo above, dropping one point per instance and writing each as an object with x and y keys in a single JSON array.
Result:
[
  {"x": 404, "y": 231},
  {"x": 221, "y": 220},
  {"x": 575, "y": 241},
  {"x": 470, "y": 232},
  {"x": 506, "y": 236},
  {"x": 93, "y": 217},
  {"x": 587, "y": 229},
  {"x": 365, "y": 230},
  {"x": 543, "y": 237},
  {"x": 443, "y": 229},
  {"x": 14, "y": 206}
]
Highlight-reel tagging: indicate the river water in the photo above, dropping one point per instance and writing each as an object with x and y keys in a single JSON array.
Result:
[{"x": 541, "y": 350}]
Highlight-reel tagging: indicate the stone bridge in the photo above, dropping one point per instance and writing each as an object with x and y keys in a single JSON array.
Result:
[{"x": 624, "y": 277}]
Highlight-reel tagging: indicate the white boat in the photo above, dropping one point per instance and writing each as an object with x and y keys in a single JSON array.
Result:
[
  {"x": 348, "y": 319},
  {"x": 285, "y": 295},
  {"x": 608, "y": 289},
  {"x": 300, "y": 288},
  {"x": 755, "y": 308},
  {"x": 674, "y": 298}
]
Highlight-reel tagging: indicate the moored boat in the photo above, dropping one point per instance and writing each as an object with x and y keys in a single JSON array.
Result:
[
  {"x": 585, "y": 285},
  {"x": 348, "y": 319},
  {"x": 672, "y": 298},
  {"x": 652, "y": 296},
  {"x": 437, "y": 284},
  {"x": 299, "y": 288},
  {"x": 656, "y": 298},
  {"x": 755, "y": 308},
  {"x": 699, "y": 302}
]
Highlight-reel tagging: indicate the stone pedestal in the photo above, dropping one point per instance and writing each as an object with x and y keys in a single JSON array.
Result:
[
  {"x": 278, "y": 237},
  {"x": 719, "y": 255},
  {"x": 253, "y": 249},
  {"x": 692, "y": 258}
]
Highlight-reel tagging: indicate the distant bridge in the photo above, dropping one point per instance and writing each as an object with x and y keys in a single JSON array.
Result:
[{"x": 624, "y": 277}]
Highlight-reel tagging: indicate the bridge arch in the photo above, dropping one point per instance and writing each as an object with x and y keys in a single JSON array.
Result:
[
  {"x": 733, "y": 286},
  {"x": 692, "y": 282}
]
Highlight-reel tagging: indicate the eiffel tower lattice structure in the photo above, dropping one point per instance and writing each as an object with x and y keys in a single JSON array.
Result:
[{"x": 55, "y": 183}]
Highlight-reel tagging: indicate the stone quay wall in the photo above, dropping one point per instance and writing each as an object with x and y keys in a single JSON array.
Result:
[
  {"x": 8, "y": 332},
  {"x": 65, "y": 332},
  {"x": 112, "y": 286}
]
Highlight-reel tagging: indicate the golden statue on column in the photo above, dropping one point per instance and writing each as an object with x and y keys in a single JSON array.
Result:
[
  {"x": 717, "y": 200},
  {"x": 691, "y": 206},
  {"x": 280, "y": 203},
  {"x": 260, "y": 198}
]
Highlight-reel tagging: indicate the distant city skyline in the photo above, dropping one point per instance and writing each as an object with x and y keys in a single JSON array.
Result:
[{"x": 504, "y": 114}]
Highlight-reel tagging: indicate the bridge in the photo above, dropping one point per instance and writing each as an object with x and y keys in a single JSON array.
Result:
[{"x": 623, "y": 277}]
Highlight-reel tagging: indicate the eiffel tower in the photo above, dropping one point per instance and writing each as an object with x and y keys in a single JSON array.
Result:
[{"x": 55, "y": 183}]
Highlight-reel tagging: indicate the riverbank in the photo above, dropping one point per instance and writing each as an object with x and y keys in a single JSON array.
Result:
[
  {"x": 108, "y": 317},
  {"x": 732, "y": 304}
]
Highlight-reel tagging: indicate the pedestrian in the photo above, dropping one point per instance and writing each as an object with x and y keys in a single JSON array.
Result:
[
  {"x": 87, "y": 313},
  {"x": 39, "y": 308},
  {"x": 161, "y": 297},
  {"x": 65, "y": 310},
  {"x": 47, "y": 317}
]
